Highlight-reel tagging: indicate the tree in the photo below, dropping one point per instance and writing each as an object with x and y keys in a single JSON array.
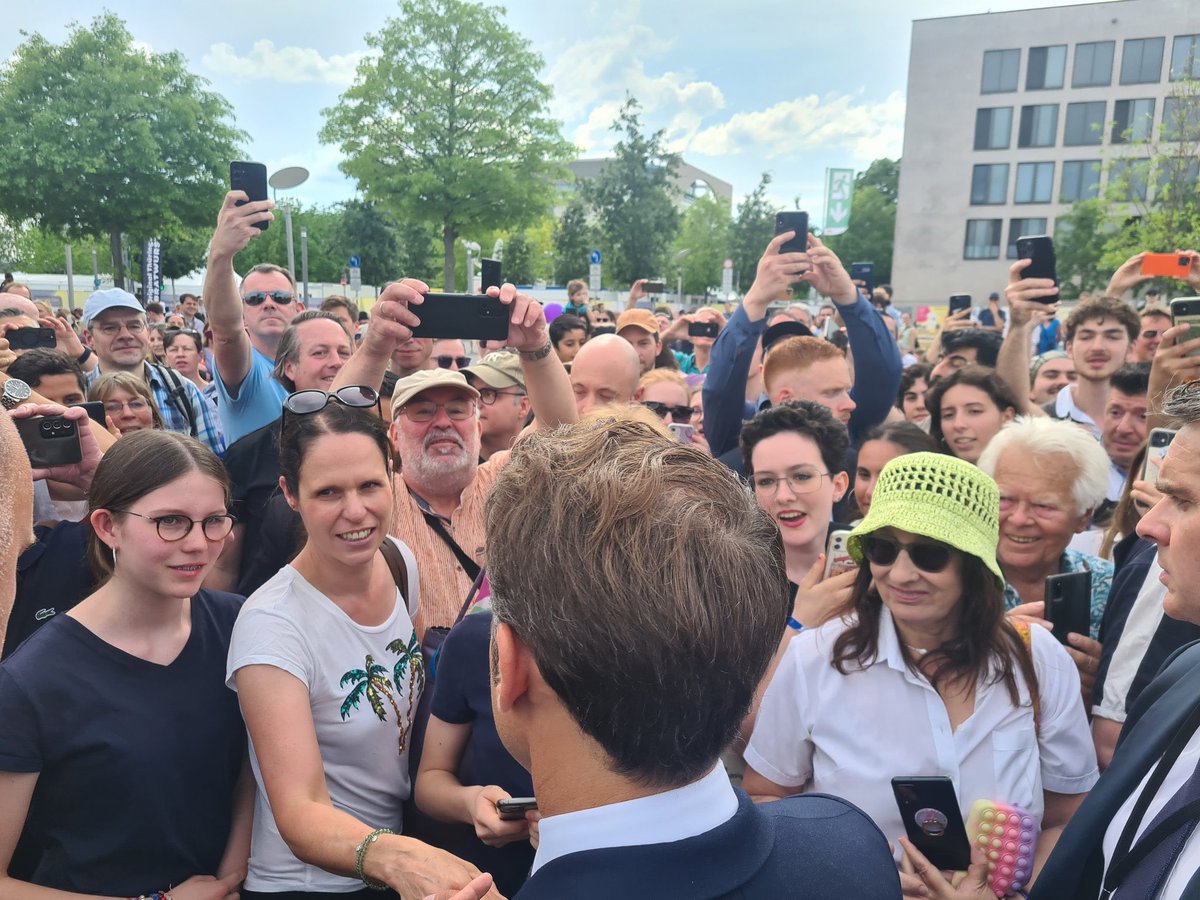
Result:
[
  {"x": 183, "y": 251},
  {"x": 633, "y": 198},
  {"x": 752, "y": 231},
  {"x": 706, "y": 235},
  {"x": 574, "y": 240},
  {"x": 872, "y": 232},
  {"x": 518, "y": 259},
  {"x": 1079, "y": 248},
  {"x": 113, "y": 139},
  {"x": 326, "y": 259},
  {"x": 448, "y": 124},
  {"x": 364, "y": 230}
]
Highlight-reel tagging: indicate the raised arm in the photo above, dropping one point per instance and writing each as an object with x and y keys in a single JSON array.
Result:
[
  {"x": 546, "y": 380},
  {"x": 391, "y": 324},
  {"x": 1012, "y": 364}
]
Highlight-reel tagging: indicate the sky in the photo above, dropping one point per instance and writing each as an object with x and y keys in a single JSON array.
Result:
[{"x": 740, "y": 86}]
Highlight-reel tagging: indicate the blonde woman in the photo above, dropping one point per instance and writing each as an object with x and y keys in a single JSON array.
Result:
[{"x": 128, "y": 404}]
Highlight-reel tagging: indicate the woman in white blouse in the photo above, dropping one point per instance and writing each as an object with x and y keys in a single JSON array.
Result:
[{"x": 925, "y": 675}]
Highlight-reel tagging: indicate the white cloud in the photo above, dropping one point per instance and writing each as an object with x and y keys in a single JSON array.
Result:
[{"x": 293, "y": 65}]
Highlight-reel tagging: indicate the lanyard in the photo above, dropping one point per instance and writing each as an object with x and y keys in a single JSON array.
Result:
[{"x": 1124, "y": 859}]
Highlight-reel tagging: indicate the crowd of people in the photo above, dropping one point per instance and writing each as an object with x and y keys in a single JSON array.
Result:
[{"x": 634, "y": 602}]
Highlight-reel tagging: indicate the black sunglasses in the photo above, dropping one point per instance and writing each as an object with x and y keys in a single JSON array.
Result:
[
  {"x": 446, "y": 362},
  {"x": 928, "y": 557},
  {"x": 680, "y": 414},
  {"x": 258, "y": 298},
  {"x": 303, "y": 403}
]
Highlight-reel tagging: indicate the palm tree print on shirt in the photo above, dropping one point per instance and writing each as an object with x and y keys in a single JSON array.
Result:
[
  {"x": 372, "y": 682},
  {"x": 412, "y": 661}
]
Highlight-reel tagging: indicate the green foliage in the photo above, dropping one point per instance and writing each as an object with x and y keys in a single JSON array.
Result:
[
  {"x": 633, "y": 199},
  {"x": 112, "y": 139},
  {"x": 706, "y": 234},
  {"x": 518, "y": 259},
  {"x": 872, "y": 231},
  {"x": 448, "y": 125},
  {"x": 752, "y": 231},
  {"x": 574, "y": 240},
  {"x": 366, "y": 231},
  {"x": 1079, "y": 248},
  {"x": 37, "y": 250}
]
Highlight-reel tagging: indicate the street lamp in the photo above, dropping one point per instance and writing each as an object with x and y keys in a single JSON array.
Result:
[
  {"x": 472, "y": 254},
  {"x": 285, "y": 180},
  {"x": 678, "y": 257}
]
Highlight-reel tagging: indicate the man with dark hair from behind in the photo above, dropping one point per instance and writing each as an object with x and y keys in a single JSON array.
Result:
[
  {"x": 964, "y": 347},
  {"x": 52, "y": 374},
  {"x": 619, "y": 680}
]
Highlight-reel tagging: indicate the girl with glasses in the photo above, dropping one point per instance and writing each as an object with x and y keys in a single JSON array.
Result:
[
  {"x": 128, "y": 404},
  {"x": 122, "y": 751},
  {"x": 925, "y": 676}
]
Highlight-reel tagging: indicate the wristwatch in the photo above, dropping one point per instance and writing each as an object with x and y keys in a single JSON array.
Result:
[{"x": 15, "y": 393}]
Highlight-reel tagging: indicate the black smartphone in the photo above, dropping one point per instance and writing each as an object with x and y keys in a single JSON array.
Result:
[
  {"x": 1040, "y": 249},
  {"x": 933, "y": 821},
  {"x": 468, "y": 317},
  {"x": 515, "y": 808},
  {"x": 959, "y": 302},
  {"x": 1069, "y": 604},
  {"x": 95, "y": 411},
  {"x": 250, "y": 177},
  {"x": 50, "y": 441},
  {"x": 793, "y": 221},
  {"x": 864, "y": 272},
  {"x": 654, "y": 287},
  {"x": 1156, "y": 448},
  {"x": 490, "y": 274},
  {"x": 1186, "y": 311},
  {"x": 31, "y": 338},
  {"x": 704, "y": 329}
]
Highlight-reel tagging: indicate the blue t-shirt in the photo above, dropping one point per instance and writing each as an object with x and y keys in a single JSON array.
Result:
[
  {"x": 137, "y": 761},
  {"x": 462, "y": 695},
  {"x": 258, "y": 402}
]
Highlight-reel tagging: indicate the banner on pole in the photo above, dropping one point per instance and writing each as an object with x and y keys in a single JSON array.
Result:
[
  {"x": 839, "y": 192},
  {"x": 151, "y": 272}
]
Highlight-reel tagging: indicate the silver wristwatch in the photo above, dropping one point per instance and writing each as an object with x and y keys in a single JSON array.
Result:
[{"x": 15, "y": 393}]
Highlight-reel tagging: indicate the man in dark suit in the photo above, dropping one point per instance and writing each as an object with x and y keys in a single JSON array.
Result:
[
  {"x": 639, "y": 594},
  {"x": 1135, "y": 837}
]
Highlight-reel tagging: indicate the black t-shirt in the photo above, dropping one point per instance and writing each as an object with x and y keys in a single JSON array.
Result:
[
  {"x": 462, "y": 695},
  {"x": 253, "y": 465},
  {"x": 137, "y": 762},
  {"x": 52, "y": 576}
]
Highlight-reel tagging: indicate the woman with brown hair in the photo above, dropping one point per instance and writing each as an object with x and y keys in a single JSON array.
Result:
[
  {"x": 967, "y": 409},
  {"x": 128, "y": 404}
]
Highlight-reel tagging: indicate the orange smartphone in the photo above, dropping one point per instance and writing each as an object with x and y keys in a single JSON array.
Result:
[{"x": 1170, "y": 265}]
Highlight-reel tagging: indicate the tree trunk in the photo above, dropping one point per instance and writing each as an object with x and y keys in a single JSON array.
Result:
[
  {"x": 449, "y": 236},
  {"x": 118, "y": 259}
]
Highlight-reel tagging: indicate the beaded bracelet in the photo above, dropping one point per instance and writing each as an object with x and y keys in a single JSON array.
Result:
[
  {"x": 157, "y": 895},
  {"x": 360, "y": 854}
]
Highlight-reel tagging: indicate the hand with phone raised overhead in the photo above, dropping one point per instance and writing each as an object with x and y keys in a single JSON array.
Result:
[
  {"x": 777, "y": 271},
  {"x": 393, "y": 317},
  {"x": 527, "y": 328},
  {"x": 1127, "y": 276},
  {"x": 1023, "y": 294},
  {"x": 237, "y": 224},
  {"x": 828, "y": 275}
]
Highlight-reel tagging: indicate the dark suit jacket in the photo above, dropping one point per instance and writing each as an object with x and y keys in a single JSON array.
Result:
[
  {"x": 807, "y": 846},
  {"x": 1076, "y": 867}
]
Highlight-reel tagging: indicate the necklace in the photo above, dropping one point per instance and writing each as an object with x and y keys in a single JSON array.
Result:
[{"x": 916, "y": 651}]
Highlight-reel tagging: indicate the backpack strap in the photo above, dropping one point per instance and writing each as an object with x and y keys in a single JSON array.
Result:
[
  {"x": 177, "y": 394},
  {"x": 396, "y": 565}
]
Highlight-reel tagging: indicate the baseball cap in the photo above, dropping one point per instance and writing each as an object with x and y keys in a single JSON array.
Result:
[
  {"x": 994, "y": 295},
  {"x": 781, "y": 330},
  {"x": 109, "y": 298},
  {"x": 425, "y": 380},
  {"x": 499, "y": 370},
  {"x": 638, "y": 318}
]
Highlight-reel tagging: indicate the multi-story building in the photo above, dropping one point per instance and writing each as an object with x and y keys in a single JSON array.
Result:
[{"x": 1013, "y": 116}]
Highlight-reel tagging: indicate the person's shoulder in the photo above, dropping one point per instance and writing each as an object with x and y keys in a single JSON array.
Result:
[
  {"x": 222, "y": 606},
  {"x": 50, "y": 639},
  {"x": 471, "y": 629},
  {"x": 277, "y": 594}
]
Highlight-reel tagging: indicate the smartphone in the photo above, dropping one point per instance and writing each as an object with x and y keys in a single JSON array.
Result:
[
  {"x": 490, "y": 274},
  {"x": 1172, "y": 265},
  {"x": 1040, "y": 249},
  {"x": 1069, "y": 604},
  {"x": 864, "y": 272},
  {"x": 468, "y": 317},
  {"x": 685, "y": 434},
  {"x": 1186, "y": 311},
  {"x": 250, "y": 177},
  {"x": 95, "y": 411},
  {"x": 933, "y": 820},
  {"x": 1156, "y": 448},
  {"x": 30, "y": 338},
  {"x": 797, "y": 222},
  {"x": 704, "y": 329},
  {"x": 959, "y": 302},
  {"x": 515, "y": 808},
  {"x": 50, "y": 441},
  {"x": 654, "y": 287},
  {"x": 837, "y": 557}
]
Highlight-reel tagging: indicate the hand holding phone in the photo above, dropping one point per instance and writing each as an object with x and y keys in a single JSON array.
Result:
[
  {"x": 1039, "y": 249},
  {"x": 933, "y": 820},
  {"x": 1069, "y": 604},
  {"x": 959, "y": 302},
  {"x": 1169, "y": 265},
  {"x": 793, "y": 221},
  {"x": 704, "y": 329},
  {"x": 468, "y": 317},
  {"x": 250, "y": 177},
  {"x": 1186, "y": 311},
  {"x": 30, "y": 338},
  {"x": 50, "y": 441},
  {"x": 515, "y": 808}
]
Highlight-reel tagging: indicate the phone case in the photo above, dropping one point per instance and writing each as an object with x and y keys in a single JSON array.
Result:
[
  {"x": 1040, "y": 249},
  {"x": 704, "y": 329},
  {"x": 250, "y": 177},
  {"x": 685, "y": 434},
  {"x": 1170, "y": 265},
  {"x": 797, "y": 222},
  {"x": 468, "y": 317},
  {"x": 1156, "y": 449},
  {"x": 50, "y": 441},
  {"x": 1069, "y": 603},
  {"x": 1186, "y": 311},
  {"x": 959, "y": 302},
  {"x": 1008, "y": 836},
  {"x": 837, "y": 557},
  {"x": 932, "y": 820},
  {"x": 490, "y": 274}
]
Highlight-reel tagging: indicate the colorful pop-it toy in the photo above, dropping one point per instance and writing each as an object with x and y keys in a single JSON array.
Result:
[{"x": 1008, "y": 835}]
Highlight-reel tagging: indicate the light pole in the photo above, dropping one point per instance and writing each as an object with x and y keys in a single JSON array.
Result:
[
  {"x": 472, "y": 254},
  {"x": 679, "y": 257},
  {"x": 285, "y": 180}
]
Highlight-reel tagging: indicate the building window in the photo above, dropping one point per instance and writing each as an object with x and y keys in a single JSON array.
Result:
[
  {"x": 1093, "y": 65},
  {"x": 1185, "y": 58},
  {"x": 1000, "y": 70},
  {"x": 1129, "y": 178},
  {"x": 1039, "y": 125},
  {"x": 1141, "y": 61},
  {"x": 1019, "y": 228},
  {"x": 993, "y": 128},
  {"x": 983, "y": 239},
  {"x": 1181, "y": 119},
  {"x": 1177, "y": 177},
  {"x": 1080, "y": 180},
  {"x": 989, "y": 184},
  {"x": 1133, "y": 120},
  {"x": 1035, "y": 182},
  {"x": 1046, "y": 68},
  {"x": 1085, "y": 124}
]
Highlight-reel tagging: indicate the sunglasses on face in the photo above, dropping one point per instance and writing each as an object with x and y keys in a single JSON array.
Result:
[
  {"x": 303, "y": 403},
  {"x": 446, "y": 362},
  {"x": 680, "y": 414},
  {"x": 258, "y": 298},
  {"x": 1150, "y": 335},
  {"x": 928, "y": 557}
]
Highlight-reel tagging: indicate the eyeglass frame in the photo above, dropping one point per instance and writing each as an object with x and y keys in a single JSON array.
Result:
[
  {"x": 126, "y": 404},
  {"x": 677, "y": 412},
  {"x": 907, "y": 547},
  {"x": 772, "y": 491},
  {"x": 279, "y": 298},
  {"x": 463, "y": 361},
  {"x": 192, "y": 523},
  {"x": 331, "y": 397},
  {"x": 133, "y": 326},
  {"x": 496, "y": 394},
  {"x": 473, "y": 409}
]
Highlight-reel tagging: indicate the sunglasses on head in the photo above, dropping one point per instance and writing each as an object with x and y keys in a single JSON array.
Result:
[
  {"x": 446, "y": 362},
  {"x": 303, "y": 403},
  {"x": 258, "y": 298},
  {"x": 680, "y": 414},
  {"x": 884, "y": 551}
]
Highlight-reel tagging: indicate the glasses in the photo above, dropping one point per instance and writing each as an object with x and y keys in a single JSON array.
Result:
[
  {"x": 446, "y": 362},
  {"x": 136, "y": 405},
  {"x": 928, "y": 557},
  {"x": 112, "y": 329},
  {"x": 488, "y": 396},
  {"x": 258, "y": 298},
  {"x": 358, "y": 396},
  {"x": 1150, "y": 335},
  {"x": 679, "y": 414},
  {"x": 426, "y": 410},
  {"x": 801, "y": 481},
  {"x": 175, "y": 527}
]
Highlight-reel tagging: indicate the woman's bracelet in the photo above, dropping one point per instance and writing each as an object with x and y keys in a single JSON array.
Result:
[
  {"x": 792, "y": 623},
  {"x": 360, "y": 854},
  {"x": 157, "y": 895}
]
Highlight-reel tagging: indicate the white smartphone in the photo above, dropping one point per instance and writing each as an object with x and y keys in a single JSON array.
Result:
[
  {"x": 837, "y": 556},
  {"x": 685, "y": 434}
]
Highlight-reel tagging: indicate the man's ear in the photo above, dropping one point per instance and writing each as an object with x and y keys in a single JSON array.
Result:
[
  {"x": 87, "y": 338},
  {"x": 511, "y": 668}
]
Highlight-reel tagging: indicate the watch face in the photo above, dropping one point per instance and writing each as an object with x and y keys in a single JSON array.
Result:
[{"x": 16, "y": 390}]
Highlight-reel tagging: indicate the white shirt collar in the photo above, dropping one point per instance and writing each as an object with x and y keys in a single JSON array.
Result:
[{"x": 672, "y": 815}]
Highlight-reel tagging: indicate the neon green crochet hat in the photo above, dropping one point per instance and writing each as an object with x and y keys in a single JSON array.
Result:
[{"x": 939, "y": 497}]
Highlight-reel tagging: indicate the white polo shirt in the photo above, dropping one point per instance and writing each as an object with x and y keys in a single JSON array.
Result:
[{"x": 849, "y": 735}]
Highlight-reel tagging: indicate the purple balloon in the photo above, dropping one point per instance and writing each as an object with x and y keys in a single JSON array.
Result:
[{"x": 553, "y": 311}]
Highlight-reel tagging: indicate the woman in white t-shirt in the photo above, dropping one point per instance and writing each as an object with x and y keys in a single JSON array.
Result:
[
  {"x": 328, "y": 671},
  {"x": 925, "y": 675}
]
